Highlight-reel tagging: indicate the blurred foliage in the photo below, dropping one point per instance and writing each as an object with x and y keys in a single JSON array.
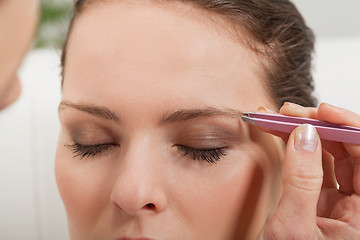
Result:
[{"x": 54, "y": 21}]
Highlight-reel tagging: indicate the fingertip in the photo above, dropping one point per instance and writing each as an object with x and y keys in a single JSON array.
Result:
[
  {"x": 324, "y": 108},
  {"x": 303, "y": 157},
  {"x": 290, "y": 108},
  {"x": 304, "y": 153},
  {"x": 306, "y": 138},
  {"x": 338, "y": 115},
  {"x": 326, "y": 112},
  {"x": 293, "y": 109},
  {"x": 264, "y": 109}
]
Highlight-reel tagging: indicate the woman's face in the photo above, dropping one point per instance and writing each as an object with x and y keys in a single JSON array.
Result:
[
  {"x": 18, "y": 20},
  {"x": 151, "y": 143}
]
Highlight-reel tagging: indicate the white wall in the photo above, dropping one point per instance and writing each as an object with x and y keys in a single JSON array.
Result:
[
  {"x": 331, "y": 18},
  {"x": 337, "y": 72},
  {"x": 30, "y": 206}
]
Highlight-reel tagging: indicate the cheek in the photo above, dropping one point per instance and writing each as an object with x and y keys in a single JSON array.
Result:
[
  {"x": 79, "y": 184},
  {"x": 224, "y": 196}
]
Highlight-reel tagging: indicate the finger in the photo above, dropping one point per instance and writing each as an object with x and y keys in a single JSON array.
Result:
[
  {"x": 356, "y": 176},
  {"x": 329, "y": 186},
  {"x": 337, "y": 115},
  {"x": 343, "y": 165},
  {"x": 328, "y": 199},
  {"x": 351, "y": 152},
  {"x": 344, "y": 171},
  {"x": 283, "y": 136},
  {"x": 343, "y": 154},
  {"x": 329, "y": 180},
  {"x": 265, "y": 110},
  {"x": 302, "y": 177},
  {"x": 329, "y": 113},
  {"x": 292, "y": 109},
  {"x": 333, "y": 229}
]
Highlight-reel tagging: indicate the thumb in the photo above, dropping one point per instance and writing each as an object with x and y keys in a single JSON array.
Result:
[{"x": 302, "y": 178}]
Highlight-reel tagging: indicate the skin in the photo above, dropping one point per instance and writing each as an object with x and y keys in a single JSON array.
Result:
[
  {"x": 149, "y": 61},
  {"x": 316, "y": 207},
  {"x": 145, "y": 62},
  {"x": 18, "y": 20}
]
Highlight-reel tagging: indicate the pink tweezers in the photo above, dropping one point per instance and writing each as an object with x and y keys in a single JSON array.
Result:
[{"x": 286, "y": 124}]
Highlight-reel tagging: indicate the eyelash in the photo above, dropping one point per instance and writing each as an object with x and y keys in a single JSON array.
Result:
[
  {"x": 210, "y": 155},
  {"x": 87, "y": 151}
]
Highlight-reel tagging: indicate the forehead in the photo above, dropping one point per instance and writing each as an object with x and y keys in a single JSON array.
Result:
[
  {"x": 146, "y": 29},
  {"x": 149, "y": 26},
  {"x": 169, "y": 46}
]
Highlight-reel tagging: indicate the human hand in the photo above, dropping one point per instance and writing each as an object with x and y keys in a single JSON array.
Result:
[{"x": 311, "y": 205}]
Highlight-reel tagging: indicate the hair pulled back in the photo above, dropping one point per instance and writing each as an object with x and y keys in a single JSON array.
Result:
[{"x": 275, "y": 30}]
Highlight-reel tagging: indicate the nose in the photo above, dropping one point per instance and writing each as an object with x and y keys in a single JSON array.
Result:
[{"x": 139, "y": 186}]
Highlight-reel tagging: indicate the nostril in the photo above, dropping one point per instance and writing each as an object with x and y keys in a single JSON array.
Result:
[{"x": 150, "y": 206}]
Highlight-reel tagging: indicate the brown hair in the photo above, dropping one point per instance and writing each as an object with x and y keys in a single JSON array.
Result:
[{"x": 275, "y": 30}]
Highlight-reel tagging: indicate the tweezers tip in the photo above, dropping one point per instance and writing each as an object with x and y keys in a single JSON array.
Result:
[{"x": 247, "y": 119}]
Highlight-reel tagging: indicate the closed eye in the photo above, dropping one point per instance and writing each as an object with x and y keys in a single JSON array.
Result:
[
  {"x": 88, "y": 151},
  {"x": 210, "y": 155}
]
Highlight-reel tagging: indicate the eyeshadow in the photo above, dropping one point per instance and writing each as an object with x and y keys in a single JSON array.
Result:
[
  {"x": 90, "y": 133},
  {"x": 208, "y": 132}
]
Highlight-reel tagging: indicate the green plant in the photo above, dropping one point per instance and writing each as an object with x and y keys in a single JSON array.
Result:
[{"x": 54, "y": 20}]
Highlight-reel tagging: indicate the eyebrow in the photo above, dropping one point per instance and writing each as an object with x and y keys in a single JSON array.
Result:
[
  {"x": 97, "y": 111},
  {"x": 180, "y": 115},
  {"x": 187, "y": 114}
]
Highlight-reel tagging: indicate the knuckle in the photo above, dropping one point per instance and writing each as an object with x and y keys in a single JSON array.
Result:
[{"x": 305, "y": 182}]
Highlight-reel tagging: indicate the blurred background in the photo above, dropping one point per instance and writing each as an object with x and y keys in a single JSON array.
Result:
[
  {"x": 54, "y": 20},
  {"x": 30, "y": 206}
]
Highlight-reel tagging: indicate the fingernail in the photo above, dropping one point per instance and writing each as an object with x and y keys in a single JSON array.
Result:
[
  {"x": 293, "y": 105},
  {"x": 305, "y": 138},
  {"x": 328, "y": 105},
  {"x": 264, "y": 109}
]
